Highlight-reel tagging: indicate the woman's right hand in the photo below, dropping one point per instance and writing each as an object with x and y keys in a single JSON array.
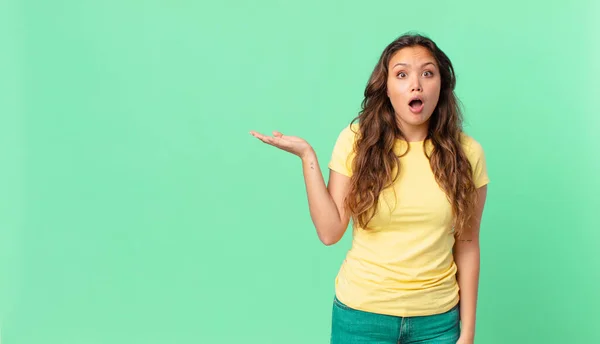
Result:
[{"x": 292, "y": 144}]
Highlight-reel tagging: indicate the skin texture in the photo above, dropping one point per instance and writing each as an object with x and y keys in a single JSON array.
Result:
[
  {"x": 467, "y": 257},
  {"x": 326, "y": 202},
  {"x": 413, "y": 72}
]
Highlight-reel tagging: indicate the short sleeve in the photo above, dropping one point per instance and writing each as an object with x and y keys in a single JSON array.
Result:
[
  {"x": 343, "y": 151},
  {"x": 476, "y": 157}
]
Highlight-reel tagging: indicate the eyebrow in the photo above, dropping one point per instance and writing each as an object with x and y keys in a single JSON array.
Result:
[{"x": 406, "y": 64}]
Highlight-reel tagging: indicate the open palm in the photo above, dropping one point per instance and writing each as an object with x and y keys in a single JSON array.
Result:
[{"x": 292, "y": 144}]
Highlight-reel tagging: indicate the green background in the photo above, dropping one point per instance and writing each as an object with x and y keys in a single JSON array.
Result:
[{"x": 136, "y": 208}]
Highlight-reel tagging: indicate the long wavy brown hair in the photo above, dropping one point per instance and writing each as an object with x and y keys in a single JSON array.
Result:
[{"x": 375, "y": 160}]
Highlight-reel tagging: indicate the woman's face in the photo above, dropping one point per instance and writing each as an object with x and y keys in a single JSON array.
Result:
[{"x": 413, "y": 73}]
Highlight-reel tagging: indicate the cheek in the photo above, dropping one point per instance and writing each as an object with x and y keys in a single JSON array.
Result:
[
  {"x": 436, "y": 98},
  {"x": 397, "y": 91},
  {"x": 396, "y": 87},
  {"x": 437, "y": 88},
  {"x": 396, "y": 97}
]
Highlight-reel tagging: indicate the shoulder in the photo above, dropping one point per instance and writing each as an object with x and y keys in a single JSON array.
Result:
[
  {"x": 350, "y": 130},
  {"x": 343, "y": 150},
  {"x": 474, "y": 152},
  {"x": 349, "y": 134},
  {"x": 471, "y": 146}
]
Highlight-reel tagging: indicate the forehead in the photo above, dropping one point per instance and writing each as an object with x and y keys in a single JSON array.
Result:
[{"x": 413, "y": 56}]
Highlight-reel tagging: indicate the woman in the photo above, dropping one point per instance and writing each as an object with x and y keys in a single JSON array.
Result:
[{"x": 414, "y": 185}]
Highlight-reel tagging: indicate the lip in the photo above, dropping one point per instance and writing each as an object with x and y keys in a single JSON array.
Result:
[
  {"x": 415, "y": 98},
  {"x": 419, "y": 108}
]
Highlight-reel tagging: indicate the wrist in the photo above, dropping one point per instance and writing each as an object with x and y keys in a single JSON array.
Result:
[
  {"x": 467, "y": 333},
  {"x": 309, "y": 154}
]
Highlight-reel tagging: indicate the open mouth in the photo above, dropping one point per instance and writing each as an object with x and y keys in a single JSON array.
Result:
[{"x": 416, "y": 105}]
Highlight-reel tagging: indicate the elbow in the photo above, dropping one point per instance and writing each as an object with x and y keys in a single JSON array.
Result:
[{"x": 330, "y": 239}]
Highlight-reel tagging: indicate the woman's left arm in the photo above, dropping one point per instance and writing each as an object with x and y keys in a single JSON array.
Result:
[{"x": 466, "y": 256}]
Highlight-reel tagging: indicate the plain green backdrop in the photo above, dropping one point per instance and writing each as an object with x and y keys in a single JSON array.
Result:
[{"x": 136, "y": 208}]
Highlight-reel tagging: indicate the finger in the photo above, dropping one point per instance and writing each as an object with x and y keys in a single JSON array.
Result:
[
  {"x": 255, "y": 133},
  {"x": 273, "y": 141},
  {"x": 258, "y": 135},
  {"x": 276, "y": 141},
  {"x": 265, "y": 139},
  {"x": 277, "y": 133}
]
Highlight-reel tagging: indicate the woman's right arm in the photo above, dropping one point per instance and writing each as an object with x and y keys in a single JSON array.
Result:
[{"x": 326, "y": 203}]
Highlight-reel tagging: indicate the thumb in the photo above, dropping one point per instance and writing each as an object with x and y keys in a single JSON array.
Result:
[{"x": 277, "y": 134}]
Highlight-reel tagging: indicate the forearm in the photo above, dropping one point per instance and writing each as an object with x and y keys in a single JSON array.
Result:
[
  {"x": 323, "y": 210},
  {"x": 467, "y": 258}
]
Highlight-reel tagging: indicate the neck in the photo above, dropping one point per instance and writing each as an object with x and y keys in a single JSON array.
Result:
[{"x": 414, "y": 134}]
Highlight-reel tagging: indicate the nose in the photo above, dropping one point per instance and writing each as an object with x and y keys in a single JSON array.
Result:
[{"x": 416, "y": 85}]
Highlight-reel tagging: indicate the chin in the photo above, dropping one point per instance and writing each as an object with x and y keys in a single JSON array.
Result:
[{"x": 415, "y": 120}]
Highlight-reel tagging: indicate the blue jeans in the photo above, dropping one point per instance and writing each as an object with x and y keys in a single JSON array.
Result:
[{"x": 351, "y": 326}]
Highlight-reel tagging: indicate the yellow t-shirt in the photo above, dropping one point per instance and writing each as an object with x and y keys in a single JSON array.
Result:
[{"x": 403, "y": 265}]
